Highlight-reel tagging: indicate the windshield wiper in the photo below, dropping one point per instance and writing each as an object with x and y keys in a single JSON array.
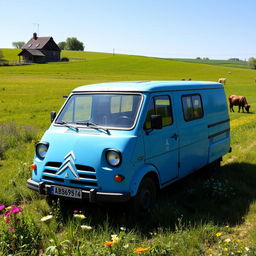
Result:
[
  {"x": 68, "y": 125},
  {"x": 93, "y": 125}
]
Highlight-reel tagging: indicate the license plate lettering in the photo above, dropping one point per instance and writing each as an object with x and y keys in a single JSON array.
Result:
[{"x": 67, "y": 192}]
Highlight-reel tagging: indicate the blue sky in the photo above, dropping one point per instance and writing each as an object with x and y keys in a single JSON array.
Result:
[{"x": 218, "y": 29}]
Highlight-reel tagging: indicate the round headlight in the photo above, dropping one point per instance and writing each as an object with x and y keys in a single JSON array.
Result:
[
  {"x": 113, "y": 157},
  {"x": 41, "y": 149}
]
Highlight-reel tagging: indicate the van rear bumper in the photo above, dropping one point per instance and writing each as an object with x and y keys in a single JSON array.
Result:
[{"x": 92, "y": 195}]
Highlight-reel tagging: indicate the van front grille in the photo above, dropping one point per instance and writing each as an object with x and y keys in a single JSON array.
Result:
[{"x": 86, "y": 174}]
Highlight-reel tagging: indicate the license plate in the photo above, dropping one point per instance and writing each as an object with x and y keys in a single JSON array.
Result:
[{"x": 67, "y": 192}]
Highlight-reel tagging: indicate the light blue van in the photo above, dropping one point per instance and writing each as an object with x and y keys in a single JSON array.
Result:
[{"x": 123, "y": 141}]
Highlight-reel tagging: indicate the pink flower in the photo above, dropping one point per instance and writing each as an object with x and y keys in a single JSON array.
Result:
[
  {"x": 7, "y": 214},
  {"x": 7, "y": 220},
  {"x": 75, "y": 211},
  {"x": 2, "y": 207},
  {"x": 10, "y": 229},
  {"x": 16, "y": 210}
]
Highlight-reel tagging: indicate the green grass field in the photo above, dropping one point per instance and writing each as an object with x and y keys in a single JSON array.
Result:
[{"x": 197, "y": 216}]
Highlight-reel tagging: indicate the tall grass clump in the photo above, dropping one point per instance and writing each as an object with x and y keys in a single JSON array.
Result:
[
  {"x": 19, "y": 234},
  {"x": 11, "y": 135}
]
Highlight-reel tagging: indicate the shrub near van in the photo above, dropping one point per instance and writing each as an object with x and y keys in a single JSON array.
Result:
[{"x": 123, "y": 141}]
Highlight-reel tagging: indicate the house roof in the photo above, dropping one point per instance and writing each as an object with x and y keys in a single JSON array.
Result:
[
  {"x": 32, "y": 52},
  {"x": 40, "y": 43}
]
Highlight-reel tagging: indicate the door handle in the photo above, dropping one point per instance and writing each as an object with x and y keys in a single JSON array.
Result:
[{"x": 175, "y": 136}]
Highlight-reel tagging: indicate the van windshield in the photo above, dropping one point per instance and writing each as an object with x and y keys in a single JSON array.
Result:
[{"x": 118, "y": 111}]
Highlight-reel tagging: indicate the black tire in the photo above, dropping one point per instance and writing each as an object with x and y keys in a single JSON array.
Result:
[{"x": 145, "y": 198}]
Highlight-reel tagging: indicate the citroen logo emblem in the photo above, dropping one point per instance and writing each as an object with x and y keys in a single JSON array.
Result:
[{"x": 69, "y": 163}]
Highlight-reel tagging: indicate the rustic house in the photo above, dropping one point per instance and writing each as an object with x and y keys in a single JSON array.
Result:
[{"x": 40, "y": 50}]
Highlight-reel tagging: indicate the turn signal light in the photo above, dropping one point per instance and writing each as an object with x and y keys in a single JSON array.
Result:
[
  {"x": 33, "y": 167},
  {"x": 119, "y": 178}
]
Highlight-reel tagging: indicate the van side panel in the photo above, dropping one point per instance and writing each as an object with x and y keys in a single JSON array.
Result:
[
  {"x": 218, "y": 124},
  {"x": 193, "y": 137}
]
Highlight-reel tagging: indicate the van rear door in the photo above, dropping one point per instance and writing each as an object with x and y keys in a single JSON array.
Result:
[{"x": 162, "y": 146}]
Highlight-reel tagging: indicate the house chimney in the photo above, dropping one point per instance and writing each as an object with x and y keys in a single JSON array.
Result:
[{"x": 34, "y": 36}]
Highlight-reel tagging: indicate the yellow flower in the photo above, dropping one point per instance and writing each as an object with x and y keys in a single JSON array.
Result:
[
  {"x": 140, "y": 250},
  {"x": 79, "y": 216},
  {"x": 218, "y": 234},
  {"x": 115, "y": 239},
  {"x": 45, "y": 218},
  {"x": 225, "y": 249},
  {"x": 85, "y": 227}
]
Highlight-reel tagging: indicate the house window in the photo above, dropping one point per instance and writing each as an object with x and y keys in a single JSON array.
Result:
[
  {"x": 160, "y": 105},
  {"x": 192, "y": 107}
]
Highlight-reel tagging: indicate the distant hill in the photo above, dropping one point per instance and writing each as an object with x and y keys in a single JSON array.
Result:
[{"x": 226, "y": 63}]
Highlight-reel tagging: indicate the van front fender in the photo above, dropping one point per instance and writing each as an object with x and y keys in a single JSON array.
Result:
[{"x": 140, "y": 174}]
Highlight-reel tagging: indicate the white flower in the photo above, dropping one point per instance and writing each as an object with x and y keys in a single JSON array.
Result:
[
  {"x": 79, "y": 216},
  {"x": 45, "y": 218},
  {"x": 122, "y": 228},
  {"x": 85, "y": 227}
]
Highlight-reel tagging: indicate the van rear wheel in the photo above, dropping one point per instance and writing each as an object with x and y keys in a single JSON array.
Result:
[{"x": 145, "y": 197}]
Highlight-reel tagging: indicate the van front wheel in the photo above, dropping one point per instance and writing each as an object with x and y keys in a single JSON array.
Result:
[{"x": 145, "y": 197}]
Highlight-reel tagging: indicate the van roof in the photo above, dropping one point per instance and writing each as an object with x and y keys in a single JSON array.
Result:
[{"x": 148, "y": 86}]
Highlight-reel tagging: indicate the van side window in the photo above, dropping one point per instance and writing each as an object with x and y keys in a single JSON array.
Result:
[
  {"x": 160, "y": 105},
  {"x": 192, "y": 107}
]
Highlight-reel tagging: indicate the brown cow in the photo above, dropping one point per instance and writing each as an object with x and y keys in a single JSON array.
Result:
[
  {"x": 239, "y": 101},
  {"x": 222, "y": 80}
]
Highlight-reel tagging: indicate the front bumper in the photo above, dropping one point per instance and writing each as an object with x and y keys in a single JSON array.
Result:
[{"x": 92, "y": 195}]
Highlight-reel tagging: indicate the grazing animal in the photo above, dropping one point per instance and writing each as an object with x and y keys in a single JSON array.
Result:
[
  {"x": 239, "y": 101},
  {"x": 222, "y": 80},
  {"x": 186, "y": 79}
]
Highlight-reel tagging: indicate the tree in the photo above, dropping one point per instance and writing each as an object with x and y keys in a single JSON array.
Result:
[
  {"x": 73, "y": 44},
  {"x": 252, "y": 62},
  {"x": 1, "y": 56},
  {"x": 18, "y": 44},
  {"x": 62, "y": 45}
]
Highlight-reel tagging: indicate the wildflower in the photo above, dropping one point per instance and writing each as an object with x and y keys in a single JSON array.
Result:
[
  {"x": 75, "y": 211},
  {"x": 108, "y": 243},
  {"x": 11, "y": 229},
  {"x": 7, "y": 214},
  {"x": 7, "y": 220},
  {"x": 85, "y": 227},
  {"x": 2, "y": 207},
  {"x": 45, "y": 218},
  {"x": 16, "y": 210},
  {"x": 247, "y": 249},
  {"x": 225, "y": 249},
  {"x": 79, "y": 216},
  {"x": 126, "y": 246},
  {"x": 140, "y": 250},
  {"x": 115, "y": 239},
  {"x": 122, "y": 228},
  {"x": 218, "y": 234},
  {"x": 228, "y": 240}
]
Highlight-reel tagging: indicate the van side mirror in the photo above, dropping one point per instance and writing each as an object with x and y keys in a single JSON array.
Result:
[
  {"x": 156, "y": 122},
  {"x": 53, "y": 115}
]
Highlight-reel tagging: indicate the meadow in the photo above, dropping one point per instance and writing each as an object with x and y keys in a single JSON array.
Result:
[{"x": 199, "y": 215}]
